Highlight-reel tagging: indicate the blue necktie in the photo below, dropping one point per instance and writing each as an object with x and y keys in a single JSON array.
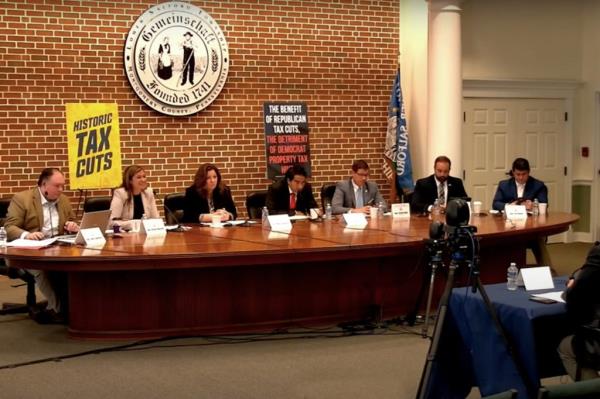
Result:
[{"x": 359, "y": 198}]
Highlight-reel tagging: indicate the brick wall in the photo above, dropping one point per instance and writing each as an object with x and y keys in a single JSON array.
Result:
[{"x": 339, "y": 56}]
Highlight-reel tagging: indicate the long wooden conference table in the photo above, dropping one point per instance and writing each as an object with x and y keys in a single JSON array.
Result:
[{"x": 247, "y": 278}]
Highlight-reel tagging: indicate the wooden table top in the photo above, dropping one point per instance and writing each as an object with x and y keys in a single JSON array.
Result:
[{"x": 308, "y": 241}]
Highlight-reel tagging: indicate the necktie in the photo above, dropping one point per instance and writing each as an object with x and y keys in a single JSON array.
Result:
[
  {"x": 292, "y": 201},
  {"x": 441, "y": 194},
  {"x": 359, "y": 199}
]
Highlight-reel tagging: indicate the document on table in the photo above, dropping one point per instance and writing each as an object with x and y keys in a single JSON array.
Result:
[
  {"x": 32, "y": 244},
  {"x": 554, "y": 295}
]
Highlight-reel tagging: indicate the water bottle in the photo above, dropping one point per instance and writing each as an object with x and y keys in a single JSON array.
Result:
[
  {"x": 328, "y": 211},
  {"x": 535, "y": 211},
  {"x": 381, "y": 209},
  {"x": 511, "y": 277},
  {"x": 435, "y": 210},
  {"x": 2, "y": 237},
  {"x": 265, "y": 216}
]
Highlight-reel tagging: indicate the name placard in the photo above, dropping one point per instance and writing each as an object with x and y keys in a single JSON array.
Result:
[
  {"x": 153, "y": 227},
  {"x": 91, "y": 237},
  {"x": 401, "y": 210},
  {"x": 515, "y": 212},
  {"x": 355, "y": 220},
  {"x": 280, "y": 223}
]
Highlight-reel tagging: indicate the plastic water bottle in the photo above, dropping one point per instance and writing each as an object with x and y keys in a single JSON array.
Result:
[
  {"x": 2, "y": 237},
  {"x": 381, "y": 210},
  {"x": 328, "y": 211},
  {"x": 435, "y": 210},
  {"x": 265, "y": 216},
  {"x": 535, "y": 210},
  {"x": 511, "y": 277}
]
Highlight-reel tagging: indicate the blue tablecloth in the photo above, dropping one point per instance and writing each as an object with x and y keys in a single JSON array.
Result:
[{"x": 472, "y": 352}]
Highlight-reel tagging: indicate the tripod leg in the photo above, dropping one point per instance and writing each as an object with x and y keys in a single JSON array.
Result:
[
  {"x": 412, "y": 316},
  {"x": 425, "y": 328},
  {"x": 511, "y": 351},
  {"x": 423, "y": 391}
]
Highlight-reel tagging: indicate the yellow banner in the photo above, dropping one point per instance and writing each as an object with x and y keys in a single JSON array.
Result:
[{"x": 94, "y": 145}]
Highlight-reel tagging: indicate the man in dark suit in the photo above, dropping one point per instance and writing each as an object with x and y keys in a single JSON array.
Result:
[
  {"x": 521, "y": 188},
  {"x": 39, "y": 213},
  {"x": 440, "y": 186},
  {"x": 356, "y": 194},
  {"x": 292, "y": 195}
]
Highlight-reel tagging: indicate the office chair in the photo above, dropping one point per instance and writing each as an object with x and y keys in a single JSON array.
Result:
[
  {"x": 93, "y": 204},
  {"x": 327, "y": 191},
  {"x": 588, "y": 389},
  {"x": 255, "y": 201},
  {"x": 173, "y": 205},
  {"x": 15, "y": 273},
  {"x": 510, "y": 394}
]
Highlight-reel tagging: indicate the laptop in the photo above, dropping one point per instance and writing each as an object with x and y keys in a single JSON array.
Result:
[{"x": 98, "y": 219}]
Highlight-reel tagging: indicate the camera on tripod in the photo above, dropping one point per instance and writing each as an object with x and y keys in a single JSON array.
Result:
[{"x": 456, "y": 235}]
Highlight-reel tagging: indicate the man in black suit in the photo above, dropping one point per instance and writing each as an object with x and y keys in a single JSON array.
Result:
[
  {"x": 292, "y": 195},
  {"x": 440, "y": 186}
]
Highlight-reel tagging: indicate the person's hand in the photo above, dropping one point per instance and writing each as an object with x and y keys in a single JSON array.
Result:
[
  {"x": 71, "y": 227},
  {"x": 38, "y": 235},
  {"x": 364, "y": 209},
  {"x": 570, "y": 283},
  {"x": 528, "y": 204},
  {"x": 225, "y": 216}
]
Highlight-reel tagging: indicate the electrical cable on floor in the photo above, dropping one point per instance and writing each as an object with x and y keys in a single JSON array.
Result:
[{"x": 277, "y": 335}]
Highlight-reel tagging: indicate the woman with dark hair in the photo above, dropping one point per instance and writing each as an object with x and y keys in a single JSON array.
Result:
[
  {"x": 208, "y": 196},
  {"x": 134, "y": 198}
]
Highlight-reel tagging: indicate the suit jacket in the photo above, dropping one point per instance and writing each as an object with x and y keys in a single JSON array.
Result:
[
  {"x": 507, "y": 192},
  {"x": 278, "y": 198},
  {"x": 196, "y": 205},
  {"x": 426, "y": 192},
  {"x": 344, "y": 200},
  {"x": 25, "y": 213},
  {"x": 121, "y": 209}
]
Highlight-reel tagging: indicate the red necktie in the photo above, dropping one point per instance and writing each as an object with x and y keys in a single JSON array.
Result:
[{"x": 292, "y": 201}]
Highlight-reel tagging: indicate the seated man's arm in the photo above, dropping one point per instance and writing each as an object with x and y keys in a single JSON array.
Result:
[
  {"x": 418, "y": 203},
  {"x": 337, "y": 202},
  {"x": 499, "y": 199},
  {"x": 379, "y": 200}
]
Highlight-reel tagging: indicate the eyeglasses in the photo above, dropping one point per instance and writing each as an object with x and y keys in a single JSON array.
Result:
[{"x": 364, "y": 175}]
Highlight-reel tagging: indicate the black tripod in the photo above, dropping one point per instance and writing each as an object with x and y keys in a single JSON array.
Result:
[{"x": 458, "y": 239}]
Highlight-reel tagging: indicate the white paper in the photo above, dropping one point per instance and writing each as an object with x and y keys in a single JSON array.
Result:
[
  {"x": 554, "y": 295},
  {"x": 91, "y": 237},
  {"x": 153, "y": 227},
  {"x": 537, "y": 278},
  {"x": 515, "y": 212},
  {"x": 296, "y": 217},
  {"x": 401, "y": 210},
  {"x": 355, "y": 220},
  {"x": 280, "y": 222},
  {"x": 24, "y": 243}
]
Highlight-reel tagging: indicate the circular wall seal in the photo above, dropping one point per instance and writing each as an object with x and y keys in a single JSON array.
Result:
[{"x": 176, "y": 58}]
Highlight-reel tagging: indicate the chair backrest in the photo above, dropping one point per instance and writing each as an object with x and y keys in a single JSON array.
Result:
[
  {"x": 587, "y": 389},
  {"x": 93, "y": 204},
  {"x": 4, "y": 202},
  {"x": 510, "y": 394},
  {"x": 174, "y": 205},
  {"x": 327, "y": 191},
  {"x": 255, "y": 202}
]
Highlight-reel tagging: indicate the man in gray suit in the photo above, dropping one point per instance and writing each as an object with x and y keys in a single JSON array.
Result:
[{"x": 357, "y": 194}]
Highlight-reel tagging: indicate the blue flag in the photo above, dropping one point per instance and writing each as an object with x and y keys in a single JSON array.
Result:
[{"x": 397, "y": 152}]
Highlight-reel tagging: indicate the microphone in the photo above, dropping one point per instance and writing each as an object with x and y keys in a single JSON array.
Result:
[{"x": 174, "y": 216}]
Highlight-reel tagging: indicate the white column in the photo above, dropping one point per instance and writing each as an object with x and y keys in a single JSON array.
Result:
[{"x": 444, "y": 114}]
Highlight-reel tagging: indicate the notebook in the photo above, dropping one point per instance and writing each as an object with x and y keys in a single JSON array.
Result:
[{"x": 98, "y": 219}]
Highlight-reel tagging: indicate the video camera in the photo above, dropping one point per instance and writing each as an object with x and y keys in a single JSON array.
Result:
[{"x": 456, "y": 235}]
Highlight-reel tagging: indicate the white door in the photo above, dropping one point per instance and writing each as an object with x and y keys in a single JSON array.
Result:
[{"x": 498, "y": 130}]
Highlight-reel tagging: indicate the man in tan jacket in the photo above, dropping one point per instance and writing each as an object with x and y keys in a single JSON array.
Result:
[{"x": 39, "y": 213}]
